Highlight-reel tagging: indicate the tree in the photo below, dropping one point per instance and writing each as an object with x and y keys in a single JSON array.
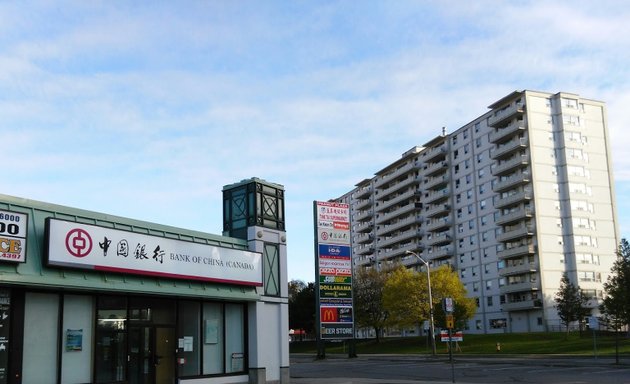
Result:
[
  {"x": 571, "y": 303},
  {"x": 368, "y": 286},
  {"x": 302, "y": 306},
  {"x": 616, "y": 303},
  {"x": 406, "y": 297}
]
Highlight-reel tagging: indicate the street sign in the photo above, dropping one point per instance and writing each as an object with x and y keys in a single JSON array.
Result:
[{"x": 450, "y": 322}]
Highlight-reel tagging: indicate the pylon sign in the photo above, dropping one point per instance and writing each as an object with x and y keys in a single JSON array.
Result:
[{"x": 333, "y": 268}]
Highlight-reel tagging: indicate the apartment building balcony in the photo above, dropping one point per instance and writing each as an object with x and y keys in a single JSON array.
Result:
[
  {"x": 514, "y": 216},
  {"x": 363, "y": 191},
  {"x": 400, "y": 211},
  {"x": 361, "y": 261},
  {"x": 400, "y": 237},
  {"x": 519, "y": 268},
  {"x": 440, "y": 238},
  {"x": 437, "y": 210},
  {"x": 383, "y": 205},
  {"x": 437, "y": 182},
  {"x": 502, "y": 134},
  {"x": 433, "y": 153},
  {"x": 523, "y": 305},
  {"x": 512, "y": 181},
  {"x": 440, "y": 253},
  {"x": 509, "y": 148},
  {"x": 363, "y": 238},
  {"x": 440, "y": 223},
  {"x": 410, "y": 180},
  {"x": 437, "y": 196},
  {"x": 518, "y": 161},
  {"x": 364, "y": 249},
  {"x": 501, "y": 116},
  {"x": 363, "y": 203},
  {"x": 390, "y": 254},
  {"x": 516, "y": 233},
  {"x": 403, "y": 169},
  {"x": 519, "y": 197},
  {"x": 401, "y": 223},
  {"x": 523, "y": 250},
  {"x": 525, "y": 286},
  {"x": 363, "y": 215},
  {"x": 434, "y": 168},
  {"x": 364, "y": 226}
]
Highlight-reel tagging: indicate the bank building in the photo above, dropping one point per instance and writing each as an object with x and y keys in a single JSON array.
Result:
[{"x": 87, "y": 297}]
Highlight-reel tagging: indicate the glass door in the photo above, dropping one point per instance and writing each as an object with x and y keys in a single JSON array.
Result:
[{"x": 151, "y": 355}]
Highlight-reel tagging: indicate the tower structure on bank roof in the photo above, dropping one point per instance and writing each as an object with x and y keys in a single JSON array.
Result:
[{"x": 511, "y": 200}]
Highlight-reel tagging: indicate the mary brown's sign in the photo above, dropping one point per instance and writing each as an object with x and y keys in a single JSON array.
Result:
[{"x": 13, "y": 236}]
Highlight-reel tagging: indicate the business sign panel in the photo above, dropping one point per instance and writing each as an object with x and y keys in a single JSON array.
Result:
[
  {"x": 74, "y": 245},
  {"x": 13, "y": 236},
  {"x": 334, "y": 270},
  {"x": 455, "y": 336},
  {"x": 333, "y": 236}
]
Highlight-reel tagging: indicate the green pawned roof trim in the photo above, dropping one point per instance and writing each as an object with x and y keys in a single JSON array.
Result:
[{"x": 35, "y": 274}]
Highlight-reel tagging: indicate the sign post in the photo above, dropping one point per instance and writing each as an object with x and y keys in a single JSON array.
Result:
[
  {"x": 333, "y": 269},
  {"x": 449, "y": 306}
]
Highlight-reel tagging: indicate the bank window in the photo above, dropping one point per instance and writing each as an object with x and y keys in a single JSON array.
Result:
[{"x": 111, "y": 339}]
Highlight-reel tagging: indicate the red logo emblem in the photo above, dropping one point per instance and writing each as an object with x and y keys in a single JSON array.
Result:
[{"x": 78, "y": 243}]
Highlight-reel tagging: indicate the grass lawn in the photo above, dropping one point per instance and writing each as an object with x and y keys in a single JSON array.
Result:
[{"x": 513, "y": 343}]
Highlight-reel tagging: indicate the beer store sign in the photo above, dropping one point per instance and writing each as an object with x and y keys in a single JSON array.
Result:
[{"x": 13, "y": 236}]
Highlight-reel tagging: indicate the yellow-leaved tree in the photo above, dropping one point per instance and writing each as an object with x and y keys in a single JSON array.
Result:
[{"x": 406, "y": 297}]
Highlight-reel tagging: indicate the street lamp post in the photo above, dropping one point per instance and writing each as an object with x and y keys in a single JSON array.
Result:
[{"x": 426, "y": 264}]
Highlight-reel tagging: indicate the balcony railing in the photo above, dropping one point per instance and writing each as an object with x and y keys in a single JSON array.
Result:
[
  {"x": 521, "y": 305},
  {"x": 394, "y": 174},
  {"x": 434, "y": 168},
  {"x": 512, "y": 181},
  {"x": 525, "y": 286},
  {"x": 523, "y": 250},
  {"x": 516, "y": 127},
  {"x": 519, "y": 214},
  {"x": 516, "y": 233},
  {"x": 516, "y": 198},
  {"x": 518, "y": 161},
  {"x": 509, "y": 147},
  {"x": 501, "y": 115}
]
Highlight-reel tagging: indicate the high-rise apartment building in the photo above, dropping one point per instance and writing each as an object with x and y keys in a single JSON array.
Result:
[{"x": 511, "y": 200}]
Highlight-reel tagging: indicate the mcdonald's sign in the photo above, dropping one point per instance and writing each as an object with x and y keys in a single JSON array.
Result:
[{"x": 329, "y": 314}]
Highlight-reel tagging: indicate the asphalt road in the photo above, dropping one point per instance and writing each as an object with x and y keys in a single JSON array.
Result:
[{"x": 406, "y": 369}]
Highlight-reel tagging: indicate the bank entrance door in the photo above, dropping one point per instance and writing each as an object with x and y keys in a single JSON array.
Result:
[{"x": 151, "y": 355}]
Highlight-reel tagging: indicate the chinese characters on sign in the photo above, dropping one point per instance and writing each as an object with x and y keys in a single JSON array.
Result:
[
  {"x": 334, "y": 270},
  {"x": 71, "y": 244}
]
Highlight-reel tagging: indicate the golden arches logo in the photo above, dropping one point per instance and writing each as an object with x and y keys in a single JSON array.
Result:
[{"x": 329, "y": 314}]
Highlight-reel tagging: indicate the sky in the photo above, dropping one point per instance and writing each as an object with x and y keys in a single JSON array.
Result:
[{"x": 146, "y": 109}]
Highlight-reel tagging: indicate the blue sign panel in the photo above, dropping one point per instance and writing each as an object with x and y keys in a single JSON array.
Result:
[{"x": 334, "y": 250}]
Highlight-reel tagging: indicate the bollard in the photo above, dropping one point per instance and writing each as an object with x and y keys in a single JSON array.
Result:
[{"x": 498, "y": 347}]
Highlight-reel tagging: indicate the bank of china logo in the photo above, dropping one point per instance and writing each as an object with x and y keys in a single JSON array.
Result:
[{"x": 78, "y": 242}]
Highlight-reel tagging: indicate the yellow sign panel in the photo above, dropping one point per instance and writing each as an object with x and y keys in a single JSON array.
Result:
[{"x": 450, "y": 322}]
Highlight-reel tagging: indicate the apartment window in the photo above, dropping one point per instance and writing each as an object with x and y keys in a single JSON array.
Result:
[
  {"x": 463, "y": 273},
  {"x": 461, "y": 258},
  {"x": 488, "y": 282},
  {"x": 482, "y": 204},
  {"x": 468, "y": 179},
  {"x": 481, "y": 172},
  {"x": 466, "y": 133},
  {"x": 466, "y": 148},
  {"x": 473, "y": 255},
  {"x": 454, "y": 139},
  {"x": 470, "y": 209},
  {"x": 500, "y": 264},
  {"x": 484, "y": 236},
  {"x": 477, "y": 125},
  {"x": 569, "y": 103},
  {"x": 455, "y": 154},
  {"x": 474, "y": 273},
  {"x": 484, "y": 220},
  {"x": 489, "y": 298},
  {"x": 571, "y": 120},
  {"x": 460, "y": 228},
  {"x": 473, "y": 240},
  {"x": 478, "y": 321},
  {"x": 467, "y": 163},
  {"x": 457, "y": 183},
  {"x": 469, "y": 194},
  {"x": 458, "y": 198},
  {"x": 475, "y": 286},
  {"x": 456, "y": 168},
  {"x": 479, "y": 158},
  {"x": 459, "y": 213},
  {"x": 478, "y": 142},
  {"x": 471, "y": 224},
  {"x": 482, "y": 189}
]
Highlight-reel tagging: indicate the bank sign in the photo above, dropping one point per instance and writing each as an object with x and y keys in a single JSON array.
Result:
[
  {"x": 334, "y": 270},
  {"x": 75, "y": 245},
  {"x": 13, "y": 236}
]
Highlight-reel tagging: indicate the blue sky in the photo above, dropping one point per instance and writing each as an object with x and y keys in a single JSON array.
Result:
[{"x": 147, "y": 109}]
